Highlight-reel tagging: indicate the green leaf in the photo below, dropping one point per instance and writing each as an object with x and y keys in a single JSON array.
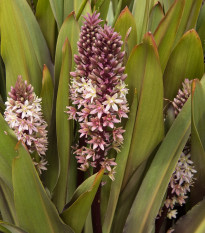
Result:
[
  {"x": 121, "y": 161},
  {"x": 167, "y": 4},
  {"x": 30, "y": 195},
  {"x": 47, "y": 95},
  {"x": 23, "y": 46},
  {"x": 149, "y": 127},
  {"x": 104, "y": 8},
  {"x": 200, "y": 28},
  {"x": 84, "y": 8},
  {"x": 193, "y": 221},
  {"x": 70, "y": 29},
  {"x": 7, "y": 204},
  {"x": 140, "y": 11},
  {"x": 57, "y": 7},
  {"x": 7, "y": 153},
  {"x": 81, "y": 202},
  {"x": 189, "y": 17},
  {"x": 149, "y": 198},
  {"x": 126, "y": 19},
  {"x": 183, "y": 63},
  {"x": 63, "y": 128},
  {"x": 2, "y": 80},
  {"x": 156, "y": 16},
  {"x": 47, "y": 23},
  {"x": 11, "y": 228},
  {"x": 198, "y": 141},
  {"x": 165, "y": 33}
]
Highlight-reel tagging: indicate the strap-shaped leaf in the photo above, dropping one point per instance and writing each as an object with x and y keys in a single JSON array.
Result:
[
  {"x": 149, "y": 198},
  {"x": 7, "y": 204},
  {"x": 200, "y": 28},
  {"x": 81, "y": 202},
  {"x": 121, "y": 161},
  {"x": 198, "y": 140},
  {"x": 156, "y": 15},
  {"x": 30, "y": 195},
  {"x": 57, "y": 7},
  {"x": 193, "y": 221},
  {"x": 47, "y": 23},
  {"x": 186, "y": 61},
  {"x": 189, "y": 17},
  {"x": 144, "y": 73},
  {"x": 63, "y": 128},
  {"x": 47, "y": 95},
  {"x": 165, "y": 33},
  {"x": 9, "y": 228},
  {"x": 23, "y": 47},
  {"x": 128, "y": 31}
]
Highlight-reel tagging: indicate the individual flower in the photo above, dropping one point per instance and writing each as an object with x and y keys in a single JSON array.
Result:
[
  {"x": 98, "y": 94},
  {"x": 24, "y": 116}
]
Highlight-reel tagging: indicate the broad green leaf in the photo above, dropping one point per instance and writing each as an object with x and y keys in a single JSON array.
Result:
[
  {"x": 7, "y": 152},
  {"x": 47, "y": 95},
  {"x": 30, "y": 195},
  {"x": 11, "y": 228},
  {"x": 104, "y": 8},
  {"x": 183, "y": 63},
  {"x": 198, "y": 141},
  {"x": 200, "y": 28},
  {"x": 57, "y": 7},
  {"x": 63, "y": 127},
  {"x": 81, "y": 202},
  {"x": 189, "y": 17},
  {"x": 47, "y": 23},
  {"x": 165, "y": 33},
  {"x": 141, "y": 10},
  {"x": 149, "y": 127},
  {"x": 23, "y": 47},
  {"x": 84, "y": 9},
  {"x": 127, "y": 197},
  {"x": 70, "y": 29},
  {"x": 126, "y": 19},
  {"x": 193, "y": 221},
  {"x": 147, "y": 203},
  {"x": 167, "y": 4},
  {"x": 156, "y": 16},
  {"x": 121, "y": 161},
  {"x": 7, "y": 204},
  {"x": 68, "y": 7}
]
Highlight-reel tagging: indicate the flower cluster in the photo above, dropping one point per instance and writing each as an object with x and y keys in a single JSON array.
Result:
[
  {"x": 182, "y": 96},
  {"x": 181, "y": 181},
  {"x": 182, "y": 178},
  {"x": 24, "y": 116},
  {"x": 98, "y": 94}
]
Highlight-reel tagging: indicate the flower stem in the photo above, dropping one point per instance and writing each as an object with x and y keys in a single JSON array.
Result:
[{"x": 96, "y": 215}]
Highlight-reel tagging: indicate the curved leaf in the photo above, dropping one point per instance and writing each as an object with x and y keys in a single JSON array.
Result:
[
  {"x": 47, "y": 23},
  {"x": 127, "y": 20},
  {"x": 23, "y": 46},
  {"x": 26, "y": 184},
  {"x": 149, "y": 127},
  {"x": 193, "y": 221},
  {"x": 198, "y": 141},
  {"x": 156, "y": 15},
  {"x": 165, "y": 33},
  {"x": 81, "y": 202},
  {"x": 121, "y": 161},
  {"x": 186, "y": 61},
  {"x": 63, "y": 128},
  {"x": 47, "y": 95},
  {"x": 57, "y": 7},
  {"x": 149, "y": 198},
  {"x": 200, "y": 28},
  {"x": 11, "y": 228},
  {"x": 189, "y": 17}
]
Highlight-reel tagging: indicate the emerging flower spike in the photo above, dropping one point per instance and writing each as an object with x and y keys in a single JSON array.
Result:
[
  {"x": 98, "y": 95},
  {"x": 24, "y": 116}
]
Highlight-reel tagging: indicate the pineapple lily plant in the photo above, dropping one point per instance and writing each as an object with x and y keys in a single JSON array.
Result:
[{"x": 102, "y": 117}]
